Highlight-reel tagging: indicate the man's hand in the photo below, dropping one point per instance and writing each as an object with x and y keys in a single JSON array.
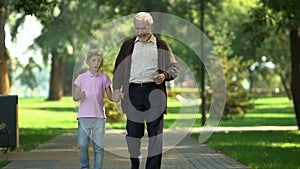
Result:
[
  {"x": 158, "y": 79},
  {"x": 117, "y": 95}
]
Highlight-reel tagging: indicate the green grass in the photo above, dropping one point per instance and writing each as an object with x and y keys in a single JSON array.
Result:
[
  {"x": 30, "y": 137},
  {"x": 265, "y": 112},
  {"x": 4, "y": 163},
  {"x": 276, "y": 111},
  {"x": 37, "y": 113},
  {"x": 260, "y": 149}
]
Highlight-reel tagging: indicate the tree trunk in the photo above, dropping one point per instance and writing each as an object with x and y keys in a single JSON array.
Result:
[
  {"x": 295, "y": 58},
  {"x": 250, "y": 80},
  {"x": 285, "y": 86},
  {"x": 56, "y": 79},
  {"x": 4, "y": 78}
]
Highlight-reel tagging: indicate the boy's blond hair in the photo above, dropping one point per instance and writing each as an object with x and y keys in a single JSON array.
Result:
[{"x": 94, "y": 52}]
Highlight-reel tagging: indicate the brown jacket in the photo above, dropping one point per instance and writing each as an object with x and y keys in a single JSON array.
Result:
[{"x": 166, "y": 63}]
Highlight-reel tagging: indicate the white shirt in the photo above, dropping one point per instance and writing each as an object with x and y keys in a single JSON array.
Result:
[{"x": 144, "y": 62}]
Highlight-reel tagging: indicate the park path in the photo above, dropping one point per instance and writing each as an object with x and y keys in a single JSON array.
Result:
[{"x": 61, "y": 153}]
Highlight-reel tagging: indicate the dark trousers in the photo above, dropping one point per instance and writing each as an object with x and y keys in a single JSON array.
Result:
[{"x": 148, "y": 107}]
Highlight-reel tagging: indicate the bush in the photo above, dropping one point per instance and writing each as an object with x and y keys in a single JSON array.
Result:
[
  {"x": 112, "y": 113},
  {"x": 184, "y": 92},
  {"x": 237, "y": 97}
]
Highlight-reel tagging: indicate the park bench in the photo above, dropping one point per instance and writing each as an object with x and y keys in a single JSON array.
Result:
[
  {"x": 6, "y": 139},
  {"x": 9, "y": 128}
]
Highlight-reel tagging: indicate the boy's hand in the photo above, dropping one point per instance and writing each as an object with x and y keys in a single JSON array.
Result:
[{"x": 82, "y": 95}]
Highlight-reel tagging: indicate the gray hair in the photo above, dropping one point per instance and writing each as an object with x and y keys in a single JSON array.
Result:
[{"x": 145, "y": 16}]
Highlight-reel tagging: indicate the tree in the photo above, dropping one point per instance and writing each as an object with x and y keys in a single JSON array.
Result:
[
  {"x": 67, "y": 24},
  {"x": 276, "y": 48},
  {"x": 70, "y": 26},
  {"x": 284, "y": 16},
  {"x": 237, "y": 97},
  {"x": 4, "y": 56},
  {"x": 222, "y": 26},
  {"x": 34, "y": 7}
]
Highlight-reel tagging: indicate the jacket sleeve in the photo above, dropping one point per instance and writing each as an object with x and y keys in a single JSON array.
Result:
[
  {"x": 117, "y": 73},
  {"x": 122, "y": 65},
  {"x": 169, "y": 66}
]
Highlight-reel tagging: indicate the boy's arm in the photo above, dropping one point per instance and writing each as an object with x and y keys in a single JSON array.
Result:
[
  {"x": 109, "y": 93},
  {"x": 78, "y": 95}
]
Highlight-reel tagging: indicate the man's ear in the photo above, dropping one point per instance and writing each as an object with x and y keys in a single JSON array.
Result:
[{"x": 151, "y": 27}]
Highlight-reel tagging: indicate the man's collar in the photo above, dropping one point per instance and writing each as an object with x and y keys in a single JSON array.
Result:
[{"x": 151, "y": 39}]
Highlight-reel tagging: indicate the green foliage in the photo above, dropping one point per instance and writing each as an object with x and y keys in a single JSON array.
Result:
[
  {"x": 237, "y": 98},
  {"x": 283, "y": 16},
  {"x": 288, "y": 12},
  {"x": 39, "y": 8},
  {"x": 223, "y": 27},
  {"x": 69, "y": 26},
  {"x": 113, "y": 114},
  {"x": 267, "y": 41},
  {"x": 27, "y": 77}
]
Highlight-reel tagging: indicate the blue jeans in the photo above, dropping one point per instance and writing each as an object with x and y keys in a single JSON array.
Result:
[{"x": 93, "y": 128}]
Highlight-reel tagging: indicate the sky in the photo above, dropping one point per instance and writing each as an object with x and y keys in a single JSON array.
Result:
[{"x": 26, "y": 34}]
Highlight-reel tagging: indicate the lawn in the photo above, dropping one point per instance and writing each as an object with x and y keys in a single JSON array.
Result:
[
  {"x": 277, "y": 111},
  {"x": 40, "y": 120},
  {"x": 260, "y": 149},
  {"x": 37, "y": 113}
]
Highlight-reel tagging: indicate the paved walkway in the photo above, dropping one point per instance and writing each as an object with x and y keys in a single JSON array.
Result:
[{"x": 61, "y": 153}]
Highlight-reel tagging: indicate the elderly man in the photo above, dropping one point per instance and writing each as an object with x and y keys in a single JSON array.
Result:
[{"x": 142, "y": 67}]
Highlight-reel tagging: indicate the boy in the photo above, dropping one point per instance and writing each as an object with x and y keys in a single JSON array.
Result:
[{"x": 90, "y": 88}]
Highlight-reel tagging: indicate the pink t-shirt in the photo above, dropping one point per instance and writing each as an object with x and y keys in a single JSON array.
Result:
[{"x": 94, "y": 87}]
